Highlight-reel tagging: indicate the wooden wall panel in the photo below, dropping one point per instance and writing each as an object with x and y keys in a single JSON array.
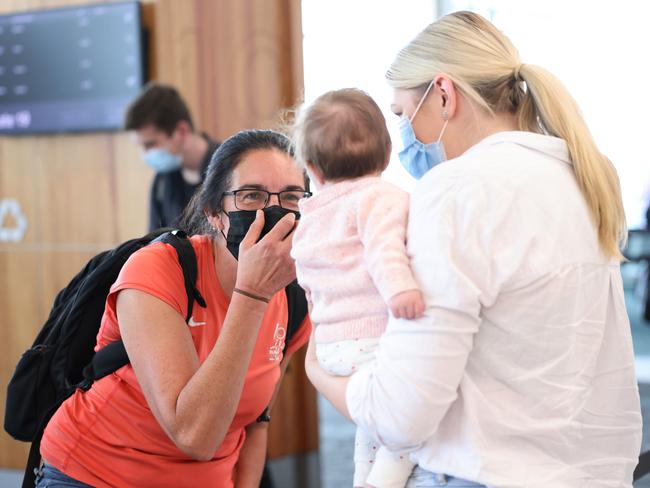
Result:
[
  {"x": 132, "y": 181},
  {"x": 17, "y": 166},
  {"x": 293, "y": 427},
  {"x": 75, "y": 184},
  {"x": 237, "y": 63},
  {"x": 16, "y": 329}
]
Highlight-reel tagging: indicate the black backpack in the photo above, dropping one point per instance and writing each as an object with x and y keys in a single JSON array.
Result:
[{"x": 62, "y": 358}]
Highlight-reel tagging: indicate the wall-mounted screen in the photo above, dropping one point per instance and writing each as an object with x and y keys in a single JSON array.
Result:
[{"x": 69, "y": 69}]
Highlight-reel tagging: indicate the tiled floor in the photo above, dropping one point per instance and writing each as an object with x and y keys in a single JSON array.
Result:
[{"x": 10, "y": 479}]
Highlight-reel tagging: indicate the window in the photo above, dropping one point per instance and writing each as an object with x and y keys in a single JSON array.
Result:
[
  {"x": 352, "y": 44},
  {"x": 599, "y": 51},
  {"x": 595, "y": 48}
]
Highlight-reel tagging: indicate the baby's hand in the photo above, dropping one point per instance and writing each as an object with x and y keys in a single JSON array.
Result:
[{"x": 407, "y": 305}]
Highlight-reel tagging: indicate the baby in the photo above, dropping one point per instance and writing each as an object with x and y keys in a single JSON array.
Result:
[{"x": 350, "y": 250}]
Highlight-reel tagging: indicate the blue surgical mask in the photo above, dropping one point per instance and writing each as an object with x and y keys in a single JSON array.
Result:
[
  {"x": 417, "y": 157},
  {"x": 161, "y": 160}
]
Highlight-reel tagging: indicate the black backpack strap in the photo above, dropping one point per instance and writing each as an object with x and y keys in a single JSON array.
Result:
[
  {"x": 34, "y": 457},
  {"x": 297, "y": 310},
  {"x": 33, "y": 463},
  {"x": 643, "y": 467},
  {"x": 187, "y": 258},
  {"x": 107, "y": 360}
]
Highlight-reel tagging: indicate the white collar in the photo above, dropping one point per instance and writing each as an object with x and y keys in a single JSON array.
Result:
[{"x": 549, "y": 145}]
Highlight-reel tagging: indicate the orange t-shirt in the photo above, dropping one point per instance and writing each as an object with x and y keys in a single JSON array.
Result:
[{"x": 108, "y": 436}]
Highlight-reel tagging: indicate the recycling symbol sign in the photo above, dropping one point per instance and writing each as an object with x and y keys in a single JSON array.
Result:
[{"x": 13, "y": 223}]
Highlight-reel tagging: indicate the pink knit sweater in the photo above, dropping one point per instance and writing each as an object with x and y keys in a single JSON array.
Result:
[{"x": 351, "y": 256}]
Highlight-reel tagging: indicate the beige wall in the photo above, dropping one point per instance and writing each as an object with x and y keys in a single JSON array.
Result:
[{"x": 237, "y": 62}]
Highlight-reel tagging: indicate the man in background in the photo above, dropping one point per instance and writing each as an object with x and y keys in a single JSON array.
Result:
[{"x": 164, "y": 130}]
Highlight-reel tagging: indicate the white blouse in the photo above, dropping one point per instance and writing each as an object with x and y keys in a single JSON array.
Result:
[{"x": 521, "y": 371}]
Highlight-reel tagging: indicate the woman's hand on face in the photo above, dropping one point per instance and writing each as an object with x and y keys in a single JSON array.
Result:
[{"x": 265, "y": 267}]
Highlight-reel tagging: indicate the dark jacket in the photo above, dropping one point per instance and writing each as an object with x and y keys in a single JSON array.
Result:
[{"x": 170, "y": 193}]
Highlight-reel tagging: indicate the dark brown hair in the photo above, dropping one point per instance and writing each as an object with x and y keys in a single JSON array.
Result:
[
  {"x": 159, "y": 105},
  {"x": 343, "y": 134},
  {"x": 219, "y": 174}
]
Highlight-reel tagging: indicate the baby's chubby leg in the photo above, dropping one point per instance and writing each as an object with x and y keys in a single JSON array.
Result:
[
  {"x": 365, "y": 450},
  {"x": 343, "y": 358}
]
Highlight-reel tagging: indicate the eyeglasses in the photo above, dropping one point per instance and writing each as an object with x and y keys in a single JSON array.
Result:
[{"x": 253, "y": 199}]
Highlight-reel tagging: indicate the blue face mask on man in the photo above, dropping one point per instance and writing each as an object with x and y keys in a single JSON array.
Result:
[
  {"x": 417, "y": 157},
  {"x": 161, "y": 160}
]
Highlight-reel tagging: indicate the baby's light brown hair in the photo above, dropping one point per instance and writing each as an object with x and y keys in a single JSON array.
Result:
[{"x": 343, "y": 134}]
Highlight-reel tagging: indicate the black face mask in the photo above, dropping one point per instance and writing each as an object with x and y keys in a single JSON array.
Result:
[{"x": 241, "y": 220}]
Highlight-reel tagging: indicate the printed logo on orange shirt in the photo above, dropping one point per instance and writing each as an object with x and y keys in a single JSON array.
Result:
[
  {"x": 275, "y": 351},
  {"x": 193, "y": 323}
]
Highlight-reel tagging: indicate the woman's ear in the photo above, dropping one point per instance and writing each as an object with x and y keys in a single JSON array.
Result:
[
  {"x": 183, "y": 128},
  {"x": 447, "y": 95},
  {"x": 215, "y": 221},
  {"x": 181, "y": 135}
]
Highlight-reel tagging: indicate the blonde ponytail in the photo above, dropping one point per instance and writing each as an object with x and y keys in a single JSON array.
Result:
[
  {"x": 548, "y": 106},
  {"x": 485, "y": 66}
]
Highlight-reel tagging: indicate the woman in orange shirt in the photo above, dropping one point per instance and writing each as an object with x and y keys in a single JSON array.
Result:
[{"x": 184, "y": 411}]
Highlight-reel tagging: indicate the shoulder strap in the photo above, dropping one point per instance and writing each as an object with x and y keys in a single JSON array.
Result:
[
  {"x": 187, "y": 259},
  {"x": 107, "y": 360},
  {"x": 297, "y": 310},
  {"x": 34, "y": 459}
]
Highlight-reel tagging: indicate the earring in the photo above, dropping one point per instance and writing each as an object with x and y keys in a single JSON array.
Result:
[
  {"x": 445, "y": 115},
  {"x": 214, "y": 220}
]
